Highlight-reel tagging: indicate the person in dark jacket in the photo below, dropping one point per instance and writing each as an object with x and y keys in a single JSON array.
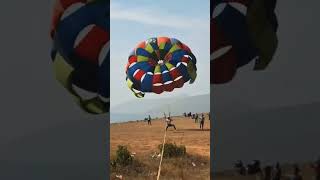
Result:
[
  {"x": 149, "y": 120},
  {"x": 296, "y": 173},
  {"x": 276, "y": 172},
  {"x": 202, "y": 122}
]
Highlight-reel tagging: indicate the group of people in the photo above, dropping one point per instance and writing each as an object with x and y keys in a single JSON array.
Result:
[
  {"x": 187, "y": 114},
  {"x": 193, "y": 116},
  {"x": 197, "y": 118},
  {"x": 268, "y": 173},
  {"x": 169, "y": 120},
  {"x": 274, "y": 172}
]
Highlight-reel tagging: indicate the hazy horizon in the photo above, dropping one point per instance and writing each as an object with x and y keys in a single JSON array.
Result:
[{"x": 156, "y": 107}]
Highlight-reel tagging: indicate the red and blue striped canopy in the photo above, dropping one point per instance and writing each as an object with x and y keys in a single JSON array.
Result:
[
  {"x": 241, "y": 31},
  {"x": 160, "y": 64},
  {"x": 80, "y": 51}
]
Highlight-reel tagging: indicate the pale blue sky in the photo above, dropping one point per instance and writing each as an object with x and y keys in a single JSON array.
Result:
[{"x": 133, "y": 22}]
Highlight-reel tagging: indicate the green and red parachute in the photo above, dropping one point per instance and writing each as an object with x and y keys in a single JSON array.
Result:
[
  {"x": 80, "y": 51},
  {"x": 160, "y": 64},
  {"x": 241, "y": 31}
]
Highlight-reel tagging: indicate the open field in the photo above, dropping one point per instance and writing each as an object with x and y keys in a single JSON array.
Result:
[{"x": 143, "y": 140}]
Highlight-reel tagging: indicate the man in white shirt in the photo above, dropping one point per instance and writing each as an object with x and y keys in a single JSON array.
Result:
[{"x": 169, "y": 123}]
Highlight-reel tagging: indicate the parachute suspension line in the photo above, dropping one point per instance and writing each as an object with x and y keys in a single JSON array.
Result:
[{"x": 164, "y": 141}]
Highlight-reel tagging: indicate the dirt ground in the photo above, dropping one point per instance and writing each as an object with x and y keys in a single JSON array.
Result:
[{"x": 143, "y": 140}]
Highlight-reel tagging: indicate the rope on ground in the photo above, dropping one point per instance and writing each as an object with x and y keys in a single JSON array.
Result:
[{"x": 164, "y": 141}]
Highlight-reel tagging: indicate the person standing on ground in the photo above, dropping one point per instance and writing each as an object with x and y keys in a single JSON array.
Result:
[
  {"x": 276, "y": 172},
  {"x": 202, "y": 122},
  {"x": 267, "y": 173},
  {"x": 196, "y": 118},
  {"x": 316, "y": 168},
  {"x": 149, "y": 120},
  {"x": 296, "y": 173}
]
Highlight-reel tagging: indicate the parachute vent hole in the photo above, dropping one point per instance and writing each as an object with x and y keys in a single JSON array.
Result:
[{"x": 161, "y": 62}]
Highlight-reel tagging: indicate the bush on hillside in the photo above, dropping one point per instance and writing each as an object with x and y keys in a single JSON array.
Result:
[
  {"x": 172, "y": 150},
  {"x": 123, "y": 157}
]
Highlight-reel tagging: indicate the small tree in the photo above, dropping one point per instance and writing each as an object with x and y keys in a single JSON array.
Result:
[
  {"x": 172, "y": 150},
  {"x": 123, "y": 157}
]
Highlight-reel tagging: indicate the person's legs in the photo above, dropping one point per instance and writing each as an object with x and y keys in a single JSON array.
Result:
[
  {"x": 167, "y": 127},
  {"x": 174, "y": 127}
]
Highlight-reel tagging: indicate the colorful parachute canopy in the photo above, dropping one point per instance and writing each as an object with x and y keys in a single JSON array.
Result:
[
  {"x": 241, "y": 31},
  {"x": 80, "y": 52},
  {"x": 160, "y": 64}
]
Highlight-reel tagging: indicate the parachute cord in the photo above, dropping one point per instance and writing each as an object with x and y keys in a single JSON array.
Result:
[{"x": 164, "y": 141}]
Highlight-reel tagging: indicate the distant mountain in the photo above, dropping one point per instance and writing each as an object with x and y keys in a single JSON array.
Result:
[
  {"x": 156, "y": 107},
  {"x": 140, "y": 105},
  {"x": 121, "y": 117},
  {"x": 200, "y": 103},
  {"x": 285, "y": 134}
]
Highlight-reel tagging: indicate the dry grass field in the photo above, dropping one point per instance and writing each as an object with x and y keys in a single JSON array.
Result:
[{"x": 143, "y": 141}]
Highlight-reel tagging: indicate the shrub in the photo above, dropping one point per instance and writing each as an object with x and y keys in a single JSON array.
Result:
[
  {"x": 172, "y": 150},
  {"x": 123, "y": 157}
]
